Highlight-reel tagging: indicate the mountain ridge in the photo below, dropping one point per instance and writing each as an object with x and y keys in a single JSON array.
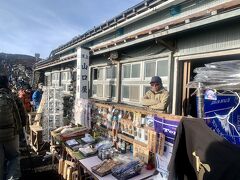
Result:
[{"x": 26, "y": 60}]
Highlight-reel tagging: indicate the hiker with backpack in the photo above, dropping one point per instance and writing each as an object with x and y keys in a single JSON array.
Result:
[{"x": 12, "y": 119}]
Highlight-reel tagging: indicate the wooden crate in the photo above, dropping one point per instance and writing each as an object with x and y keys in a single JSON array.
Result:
[{"x": 36, "y": 137}]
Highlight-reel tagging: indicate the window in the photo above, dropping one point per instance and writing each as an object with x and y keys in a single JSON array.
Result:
[
  {"x": 69, "y": 77},
  {"x": 95, "y": 74},
  {"x": 55, "y": 79},
  {"x": 125, "y": 92},
  {"x": 162, "y": 68},
  {"x": 126, "y": 71},
  {"x": 113, "y": 89},
  {"x": 111, "y": 72},
  {"x": 135, "y": 78},
  {"x": 94, "y": 90},
  {"x": 57, "y": 76},
  {"x": 100, "y": 90},
  {"x": 131, "y": 70},
  {"x": 110, "y": 91},
  {"x": 98, "y": 74},
  {"x": 64, "y": 87},
  {"x": 64, "y": 77},
  {"x": 104, "y": 82},
  {"x": 135, "y": 71},
  {"x": 130, "y": 93},
  {"x": 150, "y": 69},
  {"x": 134, "y": 93}
]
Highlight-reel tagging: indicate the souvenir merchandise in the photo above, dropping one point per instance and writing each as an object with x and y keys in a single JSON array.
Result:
[
  {"x": 161, "y": 142},
  {"x": 58, "y": 130},
  {"x": 110, "y": 109},
  {"x": 152, "y": 141},
  {"x": 127, "y": 171},
  {"x": 72, "y": 142},
  {"x": 137, "y": 119},
  {"x": 104, "y": 144},
  {"x": 143, "y": 121},
  {"x": 107, "y": 153},
  {"x": 105, "y": 167},
  {"x": 135, "y": 131},
  {"x": 149, "y": 119},
  {"x": 142, "y": 135},
  {"x": 115, "y": 124},
  {"x": 104, "y": 113},
  {"x": 128, "y": 147},
  {"x": 109, "y": 121},
  {"x": 71, "y": 132},
  {"x": 123, "y": 147},
  {"x": 130, "y": 138},
  {"x": 127, "y": 127},
  {"x": 123, "y": 158},
  {"x": 88, "y": 138},
  {"x": 119, "y": 145},
  {"x": 120, "y": 116},
  {"x": 87, "y": 150},
  {"x": 130, "y": 116},
  {"x": 140, "y": 152}
]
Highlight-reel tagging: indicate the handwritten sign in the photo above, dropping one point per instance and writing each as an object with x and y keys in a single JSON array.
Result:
[{"x": 82, "y": 73}]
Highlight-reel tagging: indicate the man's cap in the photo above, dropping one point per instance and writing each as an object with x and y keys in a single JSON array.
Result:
[{"x": 156, "y": 79}]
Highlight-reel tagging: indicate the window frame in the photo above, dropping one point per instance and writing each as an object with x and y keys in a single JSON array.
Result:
[
  {"x": 131, "y": 78},
  {"x": 104, "y": 82},
  {"x": 106, "y": 78}
]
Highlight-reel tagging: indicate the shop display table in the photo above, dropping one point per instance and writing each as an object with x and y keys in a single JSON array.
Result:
[
  {"x": 74, "y": 154},
  {"x": 87, "y": 163}
]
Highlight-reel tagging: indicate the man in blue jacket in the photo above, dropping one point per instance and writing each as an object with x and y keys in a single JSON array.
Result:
[{"x": 37, "y": 96}]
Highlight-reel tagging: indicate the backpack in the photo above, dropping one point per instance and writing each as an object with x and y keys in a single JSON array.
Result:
[{"x": 8, "y": 126}]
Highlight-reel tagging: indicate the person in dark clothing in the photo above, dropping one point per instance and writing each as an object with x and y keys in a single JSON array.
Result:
[
  {"x": 199, "y": 153},
  {"x": 12, "y": 119}
]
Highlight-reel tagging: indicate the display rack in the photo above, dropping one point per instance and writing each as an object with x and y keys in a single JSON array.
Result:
[{"x": 53, "y": 111}]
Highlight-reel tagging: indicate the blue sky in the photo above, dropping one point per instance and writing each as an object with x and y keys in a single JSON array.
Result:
[{"x": 39, "y": 26}]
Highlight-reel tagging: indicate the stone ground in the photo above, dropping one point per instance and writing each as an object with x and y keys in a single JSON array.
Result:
[{"x": 35, "y": 167}]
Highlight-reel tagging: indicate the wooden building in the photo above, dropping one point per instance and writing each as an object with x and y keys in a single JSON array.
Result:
[{"x": 168, "y": 38}]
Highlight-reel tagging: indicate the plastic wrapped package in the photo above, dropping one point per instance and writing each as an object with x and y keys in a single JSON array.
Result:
[
  {"x": 222, "y": 75},
  {"x": 224, "y": 64},
  {"x": 127, "y": 171}
]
